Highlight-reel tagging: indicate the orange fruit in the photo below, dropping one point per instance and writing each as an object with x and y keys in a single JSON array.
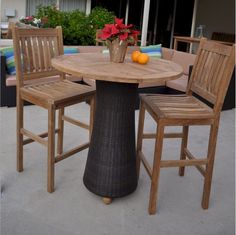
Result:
[
  {"x": 143, "y": 58},
  {"x": 134, "y": 56}
]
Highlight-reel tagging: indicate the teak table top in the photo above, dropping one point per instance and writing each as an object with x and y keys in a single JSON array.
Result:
[{"x": 98, "y": 66}]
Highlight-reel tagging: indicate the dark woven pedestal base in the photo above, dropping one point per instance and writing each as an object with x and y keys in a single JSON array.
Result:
[{"x": 111, "y": 165}]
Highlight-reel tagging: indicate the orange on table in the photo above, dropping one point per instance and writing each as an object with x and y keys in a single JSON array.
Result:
[
  {"x": 135, "y": 55},
  {"x": 143, "y": 58}
]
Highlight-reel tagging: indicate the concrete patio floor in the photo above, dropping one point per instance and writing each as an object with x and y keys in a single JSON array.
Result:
[{"x": 27, "y": 209}]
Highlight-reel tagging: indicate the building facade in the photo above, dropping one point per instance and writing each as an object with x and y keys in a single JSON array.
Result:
[{"x": 164, "y": 18}]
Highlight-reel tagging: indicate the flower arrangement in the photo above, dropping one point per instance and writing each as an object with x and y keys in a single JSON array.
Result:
[
  {"x": 118, "y": 36},
  {"x": 120, "y": 31},
  {"x": 31, "y": 20}
]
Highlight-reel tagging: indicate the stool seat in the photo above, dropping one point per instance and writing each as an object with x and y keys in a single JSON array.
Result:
[{"x": 178, "y": 107}]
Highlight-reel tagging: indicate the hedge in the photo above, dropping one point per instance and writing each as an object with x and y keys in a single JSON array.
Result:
[{"x": 78, "y": 29}]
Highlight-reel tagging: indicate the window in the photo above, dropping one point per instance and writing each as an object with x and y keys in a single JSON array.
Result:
[
  {"x": 64, "y": 5},
  {"x": 69, "y": 5},
  {"x": 32, "y": 4}
]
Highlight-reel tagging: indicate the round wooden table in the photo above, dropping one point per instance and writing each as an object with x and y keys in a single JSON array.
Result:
[{"x": 111, "y": 164}]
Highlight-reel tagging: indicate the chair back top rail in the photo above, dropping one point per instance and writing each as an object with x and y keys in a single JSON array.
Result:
[
  {"x": 212, "y": 72},
  {"x": 34, "y": 49}
]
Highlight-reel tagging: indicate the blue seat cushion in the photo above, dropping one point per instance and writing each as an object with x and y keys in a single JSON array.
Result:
[
  {"x": 8, "y": 52},
  {"x": 70, "y": 50},
  {"x": 152, "y": 50}
]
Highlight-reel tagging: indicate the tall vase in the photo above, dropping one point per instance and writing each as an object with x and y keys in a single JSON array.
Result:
[{"x": 117, "y": 50}]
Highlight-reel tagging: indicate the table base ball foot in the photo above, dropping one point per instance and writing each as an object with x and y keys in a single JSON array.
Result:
[
  {"x": 107, "y": 200},
  {"x": 111, "y": 164}
]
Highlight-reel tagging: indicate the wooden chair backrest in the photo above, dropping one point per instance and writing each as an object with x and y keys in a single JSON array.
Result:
[
  {"x": 9, "y": 31},
  {"x": 212, "y": 72},
  {"x": 225, "y": 37},
  {"x": 11, "y": 25},
  {"x": 33, "y": 50}
]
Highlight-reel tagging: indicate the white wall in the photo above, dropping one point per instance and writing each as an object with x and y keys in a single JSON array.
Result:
[
  {"x": 216, "y": 15},
  {"x": 18, "y": 5}
]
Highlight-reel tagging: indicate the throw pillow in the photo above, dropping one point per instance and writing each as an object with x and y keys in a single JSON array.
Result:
[
  {"x": 70, "y": 50},
  {"x": 8, "y": 52},
  {"x": 152, "y": 51}
]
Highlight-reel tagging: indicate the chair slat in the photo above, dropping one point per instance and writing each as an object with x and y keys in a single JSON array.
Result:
[
  {"x": 51, "y": 47},
  {"x": 35, "y": 54},
  {"x": 41, "y": 58},
  {"x": 24, "y": 53},
  {"x": 213, "y": 71},
  {"x": 46, "y": 53},
  {"x": 55, "y": 42},
  {"x": 202, "y": 66},
  {"x": 216, "y": 84},
  {"x": 30, "y": 54}
]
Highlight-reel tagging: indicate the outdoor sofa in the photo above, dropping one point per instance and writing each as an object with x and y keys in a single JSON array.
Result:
[{"x": 186, "y": 60}]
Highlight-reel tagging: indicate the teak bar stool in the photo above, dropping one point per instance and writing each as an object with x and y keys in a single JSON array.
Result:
[
  {"x": 209, "y": 79},
  {"x": 33, "y": 50}
]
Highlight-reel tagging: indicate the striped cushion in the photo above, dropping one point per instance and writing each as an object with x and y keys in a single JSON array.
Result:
[
  {"x": 152, "y": 51},
  {"x": 8, "y": 52},
  {"x": 70, "y": 50}
]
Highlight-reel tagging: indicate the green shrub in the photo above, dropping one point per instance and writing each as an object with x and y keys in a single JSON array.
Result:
[
  {"x": 100, "y": 16},
  {"x": 50, "y": 16},
  {"x": 78, "y": 29}
]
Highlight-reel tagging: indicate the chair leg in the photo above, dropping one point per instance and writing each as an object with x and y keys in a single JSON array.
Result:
[
  {"x": 91, "y": 118},
  {"x": 20, "y": 121},
  {"x": 156, "y": 169},
  {"x": 183, "y": 146},
  {"x": 51, "y": 149},
  {"x": 210, "y": 164},
  {"x": 140, "y": 134},
  {"x": 60, "y": 131}
]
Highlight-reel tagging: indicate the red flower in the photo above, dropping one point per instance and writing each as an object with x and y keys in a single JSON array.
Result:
[
  {"x": 135, "y": 34},
  {"x": 120, "y": 31},
  {"x": 29, "y": 18},
  {"x": 109, "y": 31},
  {"x": 120, "y": 25},
  {"x": 123, "y": 36},
  {"x": 118, "y": 21}
]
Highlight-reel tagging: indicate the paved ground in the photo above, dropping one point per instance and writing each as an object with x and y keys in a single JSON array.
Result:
[{"x": 27, "y": 209}]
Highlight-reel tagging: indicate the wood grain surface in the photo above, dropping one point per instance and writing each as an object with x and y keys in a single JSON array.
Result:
[{"x": 97, "y": 66}]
